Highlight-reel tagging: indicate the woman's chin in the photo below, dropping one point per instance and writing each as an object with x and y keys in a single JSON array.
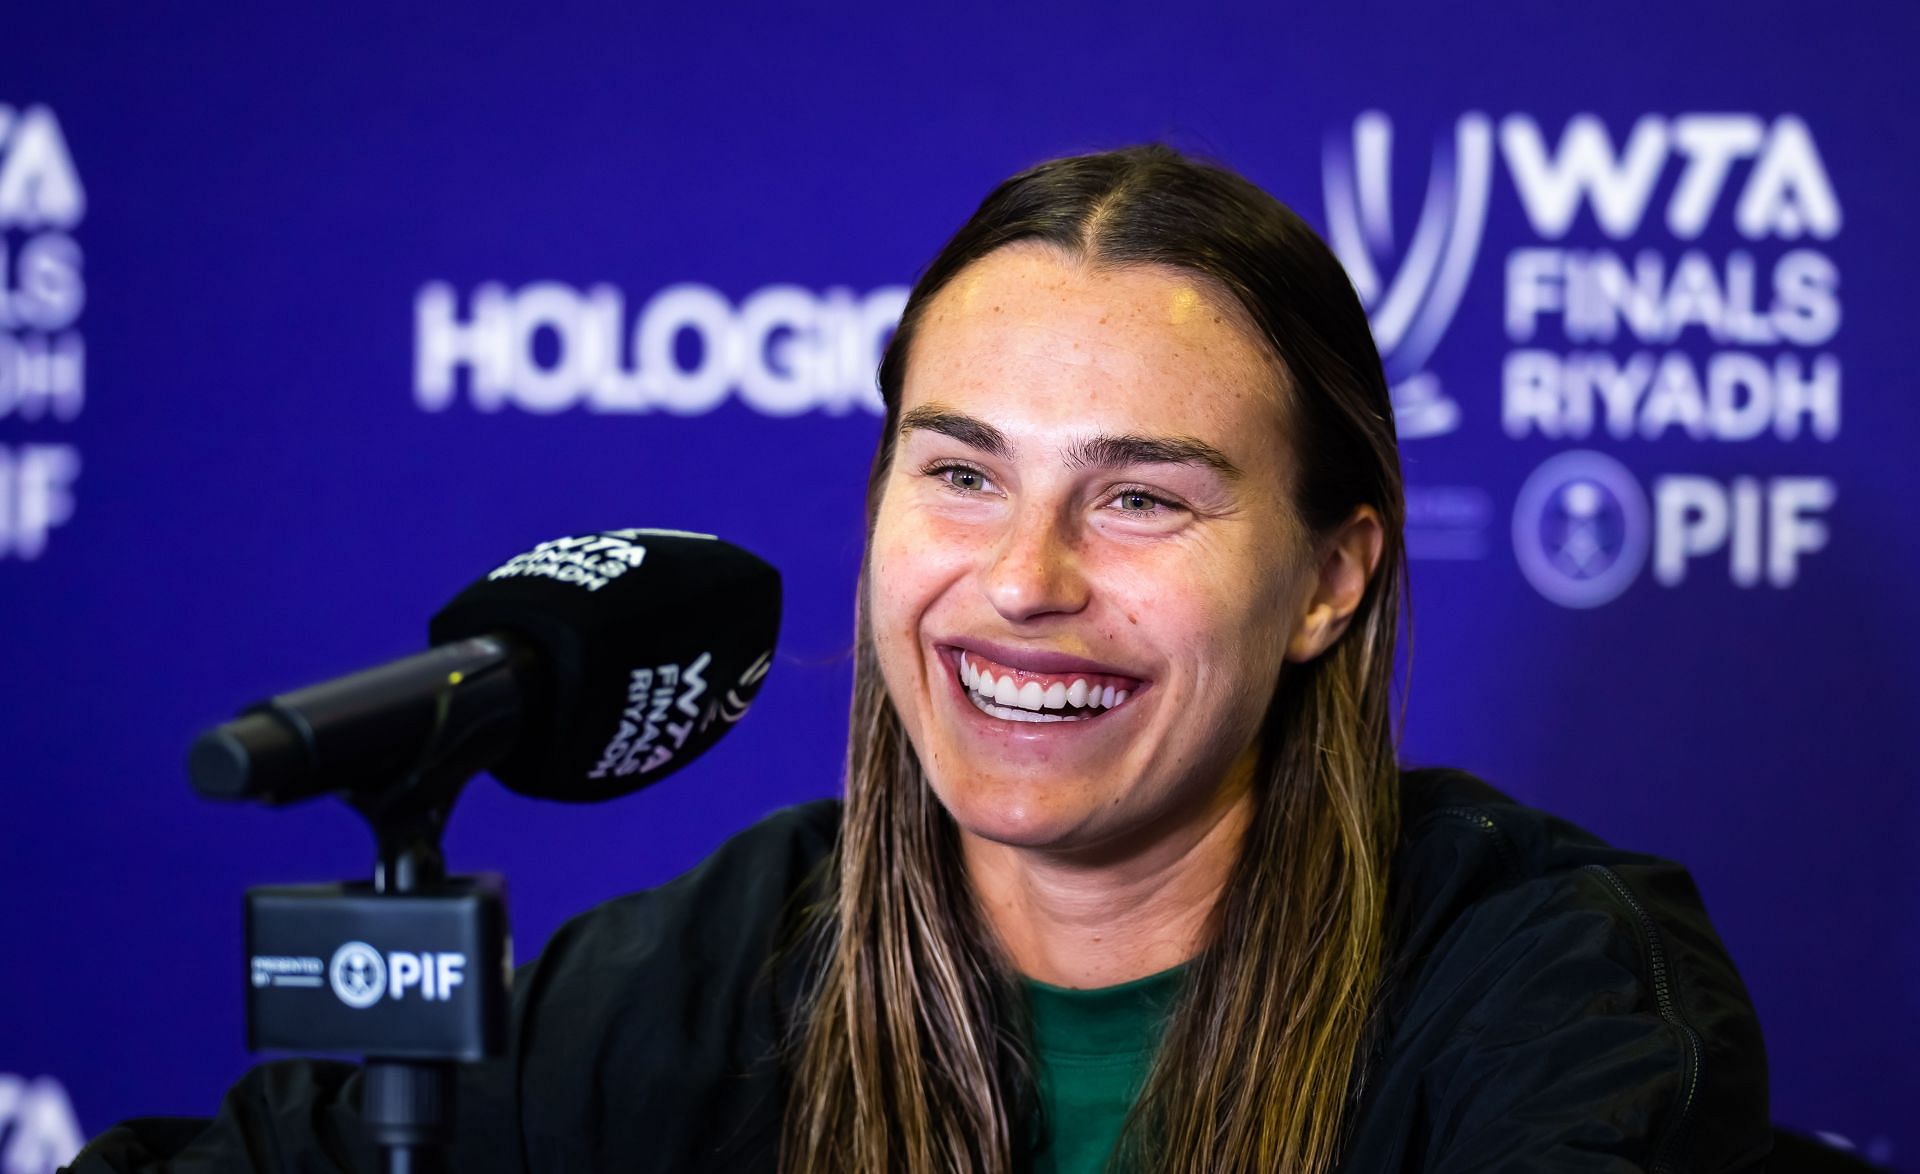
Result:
[{"x": 1022, "y": 816}]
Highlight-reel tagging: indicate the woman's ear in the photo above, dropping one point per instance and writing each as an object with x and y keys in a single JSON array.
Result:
[{"x": 1348, "y": 557}]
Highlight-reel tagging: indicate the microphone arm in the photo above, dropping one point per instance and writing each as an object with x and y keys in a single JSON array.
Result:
[{"x": 366, "y": 731}]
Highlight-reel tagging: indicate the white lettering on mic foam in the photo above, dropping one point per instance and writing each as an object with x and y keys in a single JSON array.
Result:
[
  {"x": 592, "y": 561},
  {"x": 734, "y": 705},
  {"x": 638, "y": 747}
]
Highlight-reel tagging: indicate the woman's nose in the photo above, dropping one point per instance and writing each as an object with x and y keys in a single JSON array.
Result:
[{"x": 1035, "y": 569}]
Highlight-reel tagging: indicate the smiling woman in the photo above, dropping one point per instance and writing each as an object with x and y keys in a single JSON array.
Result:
[
  {"x": 1136, "y": 436},
  {"x": 1127, "y": 876},
  {"x": 1122, "y": 881}
]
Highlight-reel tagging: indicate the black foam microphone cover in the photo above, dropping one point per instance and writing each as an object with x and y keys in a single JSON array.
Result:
[{"x": 647, "y": 645}]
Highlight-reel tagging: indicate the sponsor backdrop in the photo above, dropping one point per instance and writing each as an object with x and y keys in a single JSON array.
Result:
[{"x": 302, "y": 328}]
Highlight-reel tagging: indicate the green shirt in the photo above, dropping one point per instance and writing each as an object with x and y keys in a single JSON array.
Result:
[{"x": 1093, "y": 1049}]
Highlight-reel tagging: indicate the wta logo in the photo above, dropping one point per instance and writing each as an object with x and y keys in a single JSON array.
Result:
[
  {"x": 1410, "y": 310},
  {"x": 1661, "y": 184},
  {"x": 38, "y": 1130}
]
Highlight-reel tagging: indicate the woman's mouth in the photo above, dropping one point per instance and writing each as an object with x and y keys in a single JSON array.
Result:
[{"x": 1020, "y": 695}]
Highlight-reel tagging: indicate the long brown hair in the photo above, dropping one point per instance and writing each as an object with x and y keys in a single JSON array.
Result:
[{"x": 909, "y": 1053}]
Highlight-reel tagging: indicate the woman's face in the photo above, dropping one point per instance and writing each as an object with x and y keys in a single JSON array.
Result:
[{"x": 1089, "y": 504}]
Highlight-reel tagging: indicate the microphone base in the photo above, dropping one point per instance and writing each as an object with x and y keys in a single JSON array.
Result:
[{"x": 408, "y": 1108}]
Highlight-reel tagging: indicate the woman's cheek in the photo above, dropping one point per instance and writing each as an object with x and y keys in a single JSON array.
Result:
[
  {"x": 920, "y": 554},
  {"x": 905, "y": 582}
]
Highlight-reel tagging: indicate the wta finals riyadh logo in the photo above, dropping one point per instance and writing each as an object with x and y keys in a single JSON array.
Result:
[
  {"x": 1411, "y": 312},
  {"x": 1581, "y": 529}
]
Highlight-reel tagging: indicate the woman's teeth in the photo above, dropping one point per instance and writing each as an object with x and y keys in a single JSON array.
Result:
[{"x": 1029, "y": 702}]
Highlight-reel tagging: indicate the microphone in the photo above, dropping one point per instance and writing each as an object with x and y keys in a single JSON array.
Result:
[{"x": 581, "y": 670}]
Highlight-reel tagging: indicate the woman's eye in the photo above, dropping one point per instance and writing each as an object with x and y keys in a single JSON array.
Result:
[
  {"x": 969, "y": 481},
  {"x": 1139, "y": 501},
  {"x": 960, "y": 478}
]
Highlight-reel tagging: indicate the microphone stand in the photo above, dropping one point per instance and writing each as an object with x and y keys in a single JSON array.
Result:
[
  {"x": 408, "y": 1104},
  {"x": 413, "y": 931}
]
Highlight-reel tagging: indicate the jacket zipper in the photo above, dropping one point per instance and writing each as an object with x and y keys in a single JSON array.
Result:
[
  {"x": 1663, "y": 1001},
  {"x": 1663, "y": 1162},
  {"x": 1484, "y": 822}
]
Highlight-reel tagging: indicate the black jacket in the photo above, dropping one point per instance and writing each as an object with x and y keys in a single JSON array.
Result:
[{"x": 1555, "y": 1004}]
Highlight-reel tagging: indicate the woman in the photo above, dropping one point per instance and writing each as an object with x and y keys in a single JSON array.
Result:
[{"x": 1127, "y": 875}]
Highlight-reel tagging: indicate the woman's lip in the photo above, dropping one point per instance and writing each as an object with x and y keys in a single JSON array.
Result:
[
  {"x": 1032, "y": 660},
  {"x": 1005, "y": 732}
]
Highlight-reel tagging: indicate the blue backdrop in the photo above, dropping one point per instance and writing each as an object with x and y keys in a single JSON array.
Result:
[{"x": 305, "y": 322}]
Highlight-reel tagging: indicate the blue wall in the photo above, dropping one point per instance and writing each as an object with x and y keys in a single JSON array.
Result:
[{"x": 306, "y": 324}]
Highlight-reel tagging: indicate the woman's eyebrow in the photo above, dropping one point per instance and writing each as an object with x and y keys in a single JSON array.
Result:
[
  {"x": 966, "y": 429},
  {"x": 1092, "y": 452},
  {"x": 1114, "y": 451}
]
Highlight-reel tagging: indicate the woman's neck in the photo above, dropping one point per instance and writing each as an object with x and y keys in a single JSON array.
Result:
[{"x": 1094, "y": 919}]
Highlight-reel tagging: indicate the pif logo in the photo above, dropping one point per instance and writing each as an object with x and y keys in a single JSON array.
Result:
[
  {"x": 1580, "y": 529},
  {"x": 1583, "y": 527},
  {"x": 358, "y": 975},
  {"x": 361, "y": 976}
]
